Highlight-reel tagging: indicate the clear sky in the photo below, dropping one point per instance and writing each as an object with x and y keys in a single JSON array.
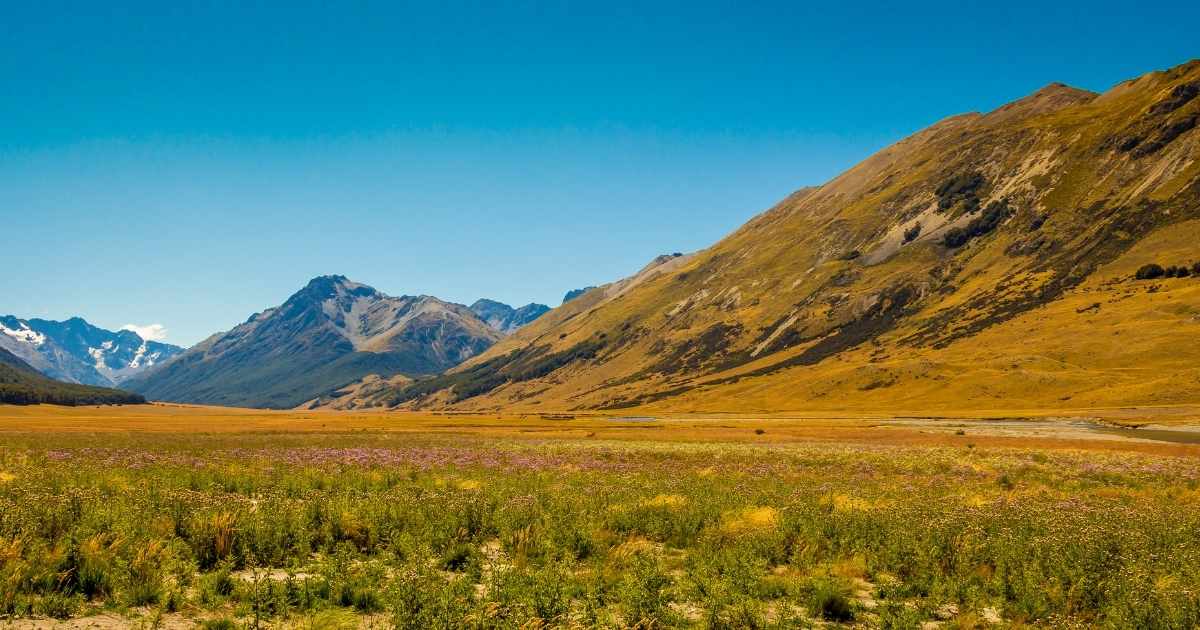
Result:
[{"x": 188, "y": 166}]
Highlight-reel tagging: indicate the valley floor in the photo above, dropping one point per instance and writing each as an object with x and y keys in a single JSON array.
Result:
[{"x": 177, "y": 516}]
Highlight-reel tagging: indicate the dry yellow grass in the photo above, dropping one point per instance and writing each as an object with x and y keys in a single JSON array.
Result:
[
  {"x": 1109, "y": 343},
  {"x": 750, "y": 520},
  {"x": 1016, "y": 428}
]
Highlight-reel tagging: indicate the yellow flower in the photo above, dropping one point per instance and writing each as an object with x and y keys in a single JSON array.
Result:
[
  {"x": 750, "y": 519},
  {"x": 669, "y": 501}
]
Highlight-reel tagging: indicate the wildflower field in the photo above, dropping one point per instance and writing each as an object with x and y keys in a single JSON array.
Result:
[{"x": 578, "y": 527}]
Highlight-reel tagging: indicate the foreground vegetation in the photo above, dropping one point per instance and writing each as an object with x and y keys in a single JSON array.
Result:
[{"x": 440, "y": 530}]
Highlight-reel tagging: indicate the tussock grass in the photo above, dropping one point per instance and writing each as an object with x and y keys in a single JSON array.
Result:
[{"x": 451, "y": 531}]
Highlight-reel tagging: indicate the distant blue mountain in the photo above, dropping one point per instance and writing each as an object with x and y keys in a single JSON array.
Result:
[
  {"x": 75, "y": 351},
  {"x": 505, "y": 318}
]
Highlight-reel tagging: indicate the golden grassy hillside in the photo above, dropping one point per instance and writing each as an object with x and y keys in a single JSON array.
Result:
[{"x": 985, "y": 262}]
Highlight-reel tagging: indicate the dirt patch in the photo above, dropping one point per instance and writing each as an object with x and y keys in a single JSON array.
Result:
[
  {"x": 107, "y": 621},
  {"x": 275, "y": 575},
  {"x": 1055, "y": 429}
]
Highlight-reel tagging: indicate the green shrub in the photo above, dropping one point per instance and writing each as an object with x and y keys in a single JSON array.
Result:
[
  {"x": 56, "y": 605},
  {"x": 94, "y": 563},
  {"x": 457, "y": 557},
  {"x": 737, "y": 612},
  {"x": 212, "y": 537},
  {"x": 979, "y": 226},
  {"x": 1149, "y": 272},
  {"x": 912, "y": 233},
  {"x": 645, "y": 593},
  {"x": 829, "y": 599},
  {"x": 962, "y": 187},
  {"x": 216, "y": 586},
  {"x": 422, "y": 600}
]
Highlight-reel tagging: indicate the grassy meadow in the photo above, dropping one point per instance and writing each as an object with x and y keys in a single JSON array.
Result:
[{"x": 230, "y": 520}]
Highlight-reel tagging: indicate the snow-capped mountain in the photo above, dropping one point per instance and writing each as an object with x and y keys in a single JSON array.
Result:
[{"x": 75, "y": 351}]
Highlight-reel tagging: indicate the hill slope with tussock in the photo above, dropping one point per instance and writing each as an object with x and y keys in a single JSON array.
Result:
[{"x": 988, "y": 261}]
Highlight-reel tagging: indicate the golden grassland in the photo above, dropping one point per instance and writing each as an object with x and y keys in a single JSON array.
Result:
[
  {"x": 181, "y": 516},
  {"x": 1026, "y": 427}
]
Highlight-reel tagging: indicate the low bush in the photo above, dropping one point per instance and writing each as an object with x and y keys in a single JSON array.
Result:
[
  {"x": 1149, "y": 272},
  {"x": 1153, "y": 271},
  {"x": 829, "y": 599},
  {"x": 979, "y": 226},
  {"x": 962, "y": 187},
  {"x": 912, "y": 233}
]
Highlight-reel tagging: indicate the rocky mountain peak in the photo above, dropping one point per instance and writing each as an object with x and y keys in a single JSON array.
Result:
[
  {"x": 505, "y": 318},
  {"x": 334, "y": 286},
  {"x": 331, "y": 332},
  {"x": 1050, "y": 98}
]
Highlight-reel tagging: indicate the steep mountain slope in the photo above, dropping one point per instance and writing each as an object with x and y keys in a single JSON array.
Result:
[
  {"x": 20, "y": 384},
  {"x": 330, "y": 333},
  {"x": 988, "y": 261},
  {"x": 505, "y": 318},
  {"x": 75, "y": 351},
  {"x": 11, "y": 360}
]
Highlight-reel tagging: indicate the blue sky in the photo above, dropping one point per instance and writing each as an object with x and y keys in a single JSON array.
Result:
[{"x": 187, "y": 166}]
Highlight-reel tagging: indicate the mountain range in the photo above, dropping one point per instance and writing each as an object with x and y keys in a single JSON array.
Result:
[
  {"x": 1040, "y": 255},
  {"x": 993, "y": 260},
  {"x": 20, "y": 384},
  {"x": 331, "y": 333},
  {"x": 74, "y": 351},
  {"x": 505, "y": 318}
]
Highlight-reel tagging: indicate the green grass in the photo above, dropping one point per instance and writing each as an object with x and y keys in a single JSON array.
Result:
[{"x": 428, "y": 531}]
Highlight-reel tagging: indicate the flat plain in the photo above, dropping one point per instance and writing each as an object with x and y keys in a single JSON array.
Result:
[{"x": 180, "y": 516}]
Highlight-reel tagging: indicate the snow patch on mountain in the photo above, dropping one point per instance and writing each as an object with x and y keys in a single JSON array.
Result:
[
  {"x": 140, "y": 355},
  {"x": 25, "y": 334},
  {"x": 75, "y": 351},
  {"x": 97, "y": 355}
]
